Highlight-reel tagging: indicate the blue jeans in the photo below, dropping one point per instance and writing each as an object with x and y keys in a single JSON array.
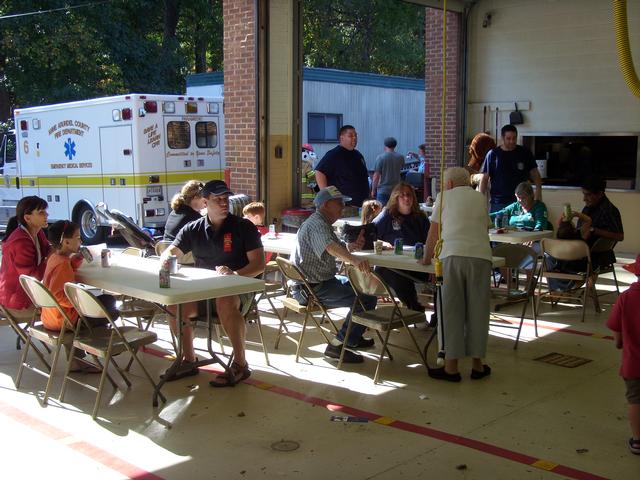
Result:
[
  {"x": 337, "y": 292},
  {"x": 383, "y": 198}
]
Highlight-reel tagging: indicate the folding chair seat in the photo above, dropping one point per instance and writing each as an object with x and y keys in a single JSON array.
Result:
[
  {"x": 518, "y": 259},
  {"x": 602, "y": 245},
  {"x": 384, "y": 318},
  {"x": 41, "y": 298},
  {"x": 103, "y": 343},
  {"x": 567, "y": 250},
  {"x": 8, "y": 318},
  {"x": 292, "y": 273},
  {"x": 162, "y": 245}
]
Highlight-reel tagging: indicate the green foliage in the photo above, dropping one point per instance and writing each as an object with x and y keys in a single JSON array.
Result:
[{"x": 379, "y": 36}]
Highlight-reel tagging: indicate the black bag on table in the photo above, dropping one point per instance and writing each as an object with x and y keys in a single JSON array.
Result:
[{"x": 350, "y": 234}]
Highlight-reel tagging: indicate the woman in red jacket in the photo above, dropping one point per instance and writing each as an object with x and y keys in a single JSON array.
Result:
[{"x": 24, "y": 251}]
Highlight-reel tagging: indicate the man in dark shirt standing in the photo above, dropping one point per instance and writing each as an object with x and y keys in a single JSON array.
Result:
[
  {"x": 344, "y": 167},
  {"x": 507, "y": 166},
  {"x": 230, "y": 245}
]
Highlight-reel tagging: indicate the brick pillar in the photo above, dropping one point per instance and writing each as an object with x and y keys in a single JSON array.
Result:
[
  {"x": 433, "y": 86},
  {"x": 240, "y": 95}
]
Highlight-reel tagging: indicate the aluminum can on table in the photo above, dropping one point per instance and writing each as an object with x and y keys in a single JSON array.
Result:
[
  {"x": 86, "y": 254},
  {"x": 419, "y": 251},
  {"x": 397, "y": 246},
  {"x": 105, "y": 257},
  {"x": 173, "y": 264}
]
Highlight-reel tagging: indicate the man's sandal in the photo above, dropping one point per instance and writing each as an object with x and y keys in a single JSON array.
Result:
[{"x": 236, "y": 374}]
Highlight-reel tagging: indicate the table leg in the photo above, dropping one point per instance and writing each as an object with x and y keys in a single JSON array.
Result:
[{"x": 177, "y": 362}]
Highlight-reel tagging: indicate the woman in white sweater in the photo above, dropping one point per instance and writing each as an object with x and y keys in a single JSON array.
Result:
[{"x": 466, "y": 261}]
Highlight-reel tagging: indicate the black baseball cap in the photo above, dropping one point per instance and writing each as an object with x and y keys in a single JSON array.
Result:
[{"x": 215, "y": 187}]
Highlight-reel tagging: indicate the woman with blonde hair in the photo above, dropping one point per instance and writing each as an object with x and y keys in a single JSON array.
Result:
[
  {"x": 185, "y": 208},
  {"x": 402, "y": 218}
]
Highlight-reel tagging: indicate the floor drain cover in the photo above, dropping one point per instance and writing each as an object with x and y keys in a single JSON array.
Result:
[
  {"x": 285, "y": 446},
  {"x": 562, "y": 360}
]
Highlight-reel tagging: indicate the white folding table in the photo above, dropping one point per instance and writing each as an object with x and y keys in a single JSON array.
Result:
[
  {"x": 139, "y": 277},
  {"x": 519, "y": 236}
]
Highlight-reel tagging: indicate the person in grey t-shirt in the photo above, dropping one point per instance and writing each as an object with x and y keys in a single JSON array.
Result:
[{"x": 387, "y": 171}]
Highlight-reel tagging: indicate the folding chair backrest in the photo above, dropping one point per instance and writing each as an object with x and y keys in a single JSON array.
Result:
[
  {"x": 289, "y": 270},
  {"x": 603, "y": 245},
  {"x": 136, "y": 252},
  {"x": 516, "y": 255},
  {"x": 85, "y": 302},
  {"x": 366, "y": 283},
  {"x": 566, "y": 249},
  {"x": 41, "y": 297},
  {"x": 162, "y": 245}
]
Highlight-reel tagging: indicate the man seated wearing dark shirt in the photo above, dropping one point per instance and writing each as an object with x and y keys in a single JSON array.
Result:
[
  {"x": 606, "y": 221},
  {"x": 230, "y": 245},
  {"x": 344, "y": 167}
]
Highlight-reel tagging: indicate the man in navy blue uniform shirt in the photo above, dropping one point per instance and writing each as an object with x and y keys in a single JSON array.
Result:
[
  {"x": 507, "y": 166},
  {"x": 344, "y": 167},
  {"x": 230, "y": 245}
]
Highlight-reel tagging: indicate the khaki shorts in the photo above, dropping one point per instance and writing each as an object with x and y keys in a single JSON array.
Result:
[
  {"x": 246, "y": 299},
  {"x": 633, "y": 391}
]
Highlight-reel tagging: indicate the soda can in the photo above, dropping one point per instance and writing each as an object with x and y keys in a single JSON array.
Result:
[
  {"x": 105, "y": 257},
  {"x": 86, "y": 254},
  {"x": 173, "y": 264},
  {"x": 419, "y": 251},
  {"x": 165, "y": 278},
  {"x": 567, "y": 211},
  {"x": 377, "y": 246},
  {"x": 397, "y": 246}
]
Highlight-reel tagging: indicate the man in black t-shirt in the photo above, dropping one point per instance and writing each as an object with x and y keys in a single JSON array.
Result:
[
  {"x": 230, "y": 245},
  {"x": 344, "y": 167},
  {"x": 507, "y": 166}
]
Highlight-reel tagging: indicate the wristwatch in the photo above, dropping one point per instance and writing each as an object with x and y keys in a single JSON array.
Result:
[{"x": 592, "y": 229}]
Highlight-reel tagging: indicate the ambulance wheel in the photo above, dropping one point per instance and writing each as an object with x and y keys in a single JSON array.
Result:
[{"x": 90, "y": 231}]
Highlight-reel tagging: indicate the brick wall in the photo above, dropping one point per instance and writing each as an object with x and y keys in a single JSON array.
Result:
[
  {"x": 240, "y": 95},
  {"x": 433, "y": 86}
]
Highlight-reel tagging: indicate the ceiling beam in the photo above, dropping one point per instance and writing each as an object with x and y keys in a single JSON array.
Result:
[{"x": 452, "y": 5}]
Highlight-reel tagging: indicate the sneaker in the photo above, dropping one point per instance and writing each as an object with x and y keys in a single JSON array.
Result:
[
  {"x": 363, "y": 344},
  {"x": 634, "y": 446},
  {"x": 349, "y": 357},
  {"x": 440, "y": 374}
]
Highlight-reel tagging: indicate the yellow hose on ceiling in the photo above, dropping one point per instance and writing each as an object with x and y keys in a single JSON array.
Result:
[{"x": 623, "y": 48}]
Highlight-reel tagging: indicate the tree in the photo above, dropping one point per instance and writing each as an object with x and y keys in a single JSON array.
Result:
[{"x": 379, "y": 36}]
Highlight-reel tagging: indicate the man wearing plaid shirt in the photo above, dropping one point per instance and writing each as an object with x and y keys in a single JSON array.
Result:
[{"x": 315, "y": 253}]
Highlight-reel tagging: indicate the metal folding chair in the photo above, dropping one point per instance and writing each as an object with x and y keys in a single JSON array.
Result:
[
  {"x": 41, "y": 298},
  {"x": 602, "y": 245},
  {"x": 568, "y": 250},
  {"x": 314, "y": 305},
  {"x": 518, "y": 259},
  {"x": 103, "y": 343},
  {"x": 384, "y": 318}
]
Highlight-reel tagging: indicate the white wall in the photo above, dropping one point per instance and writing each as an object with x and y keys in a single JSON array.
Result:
[
  {"x": 558, "y": 54},
  {"x": 375, "y": 112}
]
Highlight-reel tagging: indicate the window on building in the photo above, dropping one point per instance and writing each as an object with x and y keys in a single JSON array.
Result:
[
  {"x": 206, "y": 134},
  {"x": 323, "y": 127},
  {"x": 178, "y": 135}
]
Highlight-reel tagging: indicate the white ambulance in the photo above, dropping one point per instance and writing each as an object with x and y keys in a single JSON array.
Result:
[{"x": 132, "y": 152}]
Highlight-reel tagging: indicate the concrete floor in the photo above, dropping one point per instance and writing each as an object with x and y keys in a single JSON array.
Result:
[{"x": 527, "y": 420}]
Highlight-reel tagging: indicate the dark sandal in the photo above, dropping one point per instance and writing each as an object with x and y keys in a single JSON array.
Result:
[
  {"x": 239, "y": 373},
  {"x": 441, "y": 374},
  {"x": 187, "y": 369},
  {"x": 477, "y": 375}
]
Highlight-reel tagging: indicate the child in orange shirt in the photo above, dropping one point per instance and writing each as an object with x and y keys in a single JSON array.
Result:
[{"x": 61, "y": 268}]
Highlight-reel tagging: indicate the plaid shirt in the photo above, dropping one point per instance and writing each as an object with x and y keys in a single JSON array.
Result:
[{"x": 310, "y": 252}]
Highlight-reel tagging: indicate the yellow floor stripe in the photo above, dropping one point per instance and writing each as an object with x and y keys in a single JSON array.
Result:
[
  {"x": 385, "y": 420},
  {"x": 544, "y": 465}
]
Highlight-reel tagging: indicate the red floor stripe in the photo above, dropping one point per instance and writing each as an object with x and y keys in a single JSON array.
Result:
[
  {"x": 93, "y": 452},
  {"x": 412, "y": 428}
]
